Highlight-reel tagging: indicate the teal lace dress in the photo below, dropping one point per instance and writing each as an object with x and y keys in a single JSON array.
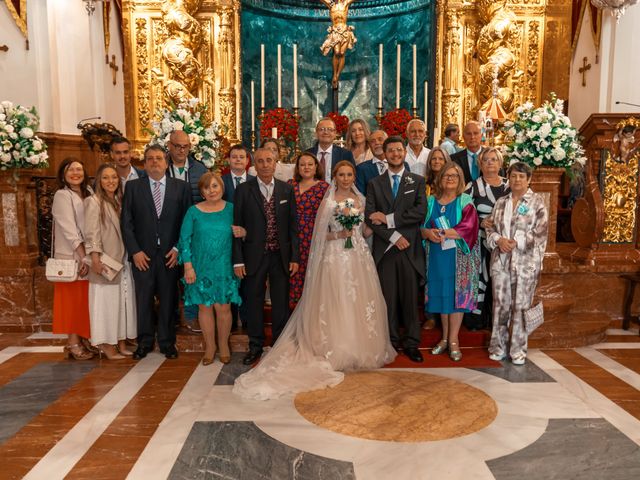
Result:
[{"x": 205, "y": 241}]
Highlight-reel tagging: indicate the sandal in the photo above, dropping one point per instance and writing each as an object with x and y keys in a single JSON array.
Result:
[
  {"x": 439, "y": 348},
  {"x": 454, "y": 352},
  {"x": 76, "y": 352}
]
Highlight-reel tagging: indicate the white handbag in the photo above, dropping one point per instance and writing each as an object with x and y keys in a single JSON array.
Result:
[
  {"x": 61, "y": 269},
  {"x": 533, "y": 318}
]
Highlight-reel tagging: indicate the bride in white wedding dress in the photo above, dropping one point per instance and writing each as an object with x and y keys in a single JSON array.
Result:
[{"x": 340, "y": 323}]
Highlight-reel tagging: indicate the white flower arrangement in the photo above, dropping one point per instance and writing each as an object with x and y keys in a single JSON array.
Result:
[
  {"x": 20, "y": 147},
  {"x": 543, "y": 136},
  {"x": 190, "y": 118}
]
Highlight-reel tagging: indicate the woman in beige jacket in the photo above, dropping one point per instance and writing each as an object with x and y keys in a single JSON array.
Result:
[
  {"x": 111, "y": 302},
  {"x": 70, "y": 300}
]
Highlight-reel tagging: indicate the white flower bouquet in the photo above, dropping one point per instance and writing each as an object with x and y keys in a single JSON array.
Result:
[
  {"x": 348, "y": 216},
  {"x": 20, "y": 147},
  {"x": 543, "y": 136},
  {"x": 189, "y": 117}
]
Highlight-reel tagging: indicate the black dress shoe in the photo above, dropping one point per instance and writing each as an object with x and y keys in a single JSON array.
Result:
[
  {"x": 141, "y": 352},
  {"x": 396, "y": 346},
  {"x": 170, "y": 352},
  {"x": 414, "y": 355},
  {"x": 251, "y": 357}
]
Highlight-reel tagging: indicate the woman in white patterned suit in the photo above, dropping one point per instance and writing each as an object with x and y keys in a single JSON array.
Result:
[{"x": 517, "y": 236}]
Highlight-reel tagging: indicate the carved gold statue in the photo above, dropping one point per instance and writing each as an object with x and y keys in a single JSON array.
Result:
[
  {"x": 178, "y": 51},
  {"x": 495, "y": 51},
  {"x": 340, "y": 36}
]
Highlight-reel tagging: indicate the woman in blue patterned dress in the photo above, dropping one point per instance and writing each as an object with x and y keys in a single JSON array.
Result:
[{"x": 205, "y": 250}]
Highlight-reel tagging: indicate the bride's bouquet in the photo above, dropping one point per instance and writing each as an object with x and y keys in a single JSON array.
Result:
[{"x": 347, "y": 215}]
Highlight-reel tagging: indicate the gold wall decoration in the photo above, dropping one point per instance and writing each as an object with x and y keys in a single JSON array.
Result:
[
  {"x": 177, "y": 50},
  {"x": 619, "y": 198},
  {"x": 522, "y": 38}
]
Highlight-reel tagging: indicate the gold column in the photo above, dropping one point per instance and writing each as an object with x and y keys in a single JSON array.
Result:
[
  {"x": 227, "y": 91},
  {"x": 451, "y": 78}
]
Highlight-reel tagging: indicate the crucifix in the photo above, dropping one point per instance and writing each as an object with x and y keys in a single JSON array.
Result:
[
  {"x": 583, "y": 70},
  {"x": 113, "y": 67}
]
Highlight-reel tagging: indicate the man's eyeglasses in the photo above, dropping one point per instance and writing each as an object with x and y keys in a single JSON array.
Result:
[
  {"x": 326, "y": 129},
  {"x": 177, "y": 146}
]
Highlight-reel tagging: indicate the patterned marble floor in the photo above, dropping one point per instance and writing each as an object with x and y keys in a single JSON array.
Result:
[{"x": 567, "y": 414}]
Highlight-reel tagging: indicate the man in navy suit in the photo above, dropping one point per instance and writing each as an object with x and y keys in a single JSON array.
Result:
[
  {"x": 238, "y": 161},
  {"x": 468, "y": 158},
  {"x": 325, "y": 151},
  {"x": 374, "y": 167}
]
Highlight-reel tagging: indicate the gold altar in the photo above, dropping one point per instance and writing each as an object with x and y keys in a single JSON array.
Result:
[{"x": 182, "y": 48}]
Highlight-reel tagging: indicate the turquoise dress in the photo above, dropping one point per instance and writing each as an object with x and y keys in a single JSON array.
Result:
[
  {"x": 441, "y": 273},
  {"x": 206, "y": 242}
]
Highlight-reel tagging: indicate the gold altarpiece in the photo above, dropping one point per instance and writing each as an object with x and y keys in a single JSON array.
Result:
[{"x": 192, "y": 47}]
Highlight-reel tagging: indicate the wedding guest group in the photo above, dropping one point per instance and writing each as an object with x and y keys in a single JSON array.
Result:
[{"x": 377, "y": 231}]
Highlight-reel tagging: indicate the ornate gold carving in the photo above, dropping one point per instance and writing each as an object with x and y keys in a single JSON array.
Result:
[
  {"x": 495, "y": 51},
  {"x": 620, "y": 197},
  {"x": 452, "y": 42},
  {"x": 533, "y": 54},
  {"x": 142, "y": 68},
  {"x": 227, "y": 93}
]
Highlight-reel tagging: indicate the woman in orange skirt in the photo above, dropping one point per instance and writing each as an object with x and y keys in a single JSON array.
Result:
[{"x": 71, "y": 300}]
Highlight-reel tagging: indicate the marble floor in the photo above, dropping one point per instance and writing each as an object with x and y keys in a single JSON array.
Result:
[{"x": 566, "y": 414}]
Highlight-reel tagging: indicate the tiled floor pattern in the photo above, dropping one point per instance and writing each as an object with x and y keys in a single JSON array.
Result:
[{"x": 571, "y": 413}]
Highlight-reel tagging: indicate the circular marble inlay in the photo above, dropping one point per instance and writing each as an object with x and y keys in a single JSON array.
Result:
[{"x": 399, "y": 407}]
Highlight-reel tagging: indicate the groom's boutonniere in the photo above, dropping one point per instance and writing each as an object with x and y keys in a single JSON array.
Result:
[
  {"x": 523, "y": 209},
  {"x": 408, "y": 180}
]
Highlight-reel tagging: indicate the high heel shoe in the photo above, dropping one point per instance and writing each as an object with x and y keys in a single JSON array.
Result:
[
  {"x": 207, "y": 361},
  {"x": 88, "y": 347},
  {"x": 226, "y": 358},
  {"x": 454, "y": 352},
  {"x": 113, "y": 355},
  {"x": 122, "y": 348},
  {"x": 440, "y": 347},
  {"x": 76, "y": 352}
]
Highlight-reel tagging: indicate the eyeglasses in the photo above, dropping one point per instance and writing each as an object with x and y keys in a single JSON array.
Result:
[
  {"x": 326, "y": 129},
  {"x": 180, "y": 147},
  {"x": 490, "y": 160},
  {"x": 451, "y": 176}
]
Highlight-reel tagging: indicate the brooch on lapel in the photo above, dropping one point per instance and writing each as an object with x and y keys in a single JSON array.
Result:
[
  {"x": 523, "y": 209},
  {"x": 408, "y": 180}
]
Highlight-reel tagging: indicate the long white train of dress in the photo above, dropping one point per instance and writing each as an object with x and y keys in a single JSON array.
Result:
[{"x": 340, "y": 323}]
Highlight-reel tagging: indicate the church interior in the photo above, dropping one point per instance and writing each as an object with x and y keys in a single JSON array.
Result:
[{"x": 98, "y": 69}]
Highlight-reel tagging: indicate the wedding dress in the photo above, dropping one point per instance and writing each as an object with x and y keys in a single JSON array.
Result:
[{"x": 340, "y": 323}]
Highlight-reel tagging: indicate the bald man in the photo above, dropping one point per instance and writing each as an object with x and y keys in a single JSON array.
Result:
[
  {"x": 374, "y": 167},
  {"x": 182, "y": 165}
]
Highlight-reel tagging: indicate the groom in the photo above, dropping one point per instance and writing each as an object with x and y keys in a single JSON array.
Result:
[{"x": 396, "y": 207}]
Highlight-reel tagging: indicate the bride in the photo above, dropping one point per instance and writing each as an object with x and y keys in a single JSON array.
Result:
[{"x": 340, "y": 323}]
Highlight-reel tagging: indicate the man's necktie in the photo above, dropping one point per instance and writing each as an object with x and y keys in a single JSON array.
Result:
[
  {"x": 323, "y": 162},
  {"x": 396, "y": 184},
  {"x": 380, "y": 168},
  {"x": 238, "y": 181},
  {"x": 474, "y": 166},
  {"x": 157, "y": 198}
]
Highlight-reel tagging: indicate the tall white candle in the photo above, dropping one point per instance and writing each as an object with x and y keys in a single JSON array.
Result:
[
  {"x": 253, "y": 107},
  {"x": 398, "y": 78},
  {"x": 426, "y": 103},
  {"x": 274, "y": 132},
  {"x": 380, "y": 77},
  {"x": 295, "y": 75},
  {"x": 279, "y": 76},
  {"x": 262, "y": 75},
  {"x": 415, "y": 77}
]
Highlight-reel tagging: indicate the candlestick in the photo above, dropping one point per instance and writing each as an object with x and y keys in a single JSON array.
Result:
[
  {"x": 274, "y": 132},
  {"x": 295, "y": 76},
  {"x": 398, "y": 78},
  {"x": 296, "y": 115},
  {"x": 253, "y": 107},
  {"x": 415, "y": 78},
  {"x": 426, "y": 103},
  {"x": 279, "y": 76},
  {"x": 262, "y": 76},
  {"x": 380, "y": 63},
  {"x": 253, "y": 140},
  {"x": 379, "y": 115}
]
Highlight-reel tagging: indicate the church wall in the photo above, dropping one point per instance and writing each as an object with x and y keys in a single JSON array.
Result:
[
  {"x": 583, "y": 101},
  {"x": 64, "y": 73}
]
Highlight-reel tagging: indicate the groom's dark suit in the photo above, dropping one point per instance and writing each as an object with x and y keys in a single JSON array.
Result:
[
  {"x": 261, "y": 262},
  {"x": 401, "y": 271}
]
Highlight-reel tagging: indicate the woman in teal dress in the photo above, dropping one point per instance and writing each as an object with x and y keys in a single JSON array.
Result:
[
  {"x": 450, "y": 232},
  {"x": 205, "y": 250}
]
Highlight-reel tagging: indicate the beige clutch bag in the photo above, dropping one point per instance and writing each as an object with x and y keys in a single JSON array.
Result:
[{"x": 111, "y": 267}]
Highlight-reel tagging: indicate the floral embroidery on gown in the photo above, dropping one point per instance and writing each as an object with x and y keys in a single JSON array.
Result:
[{"x": 340, "y": 323}]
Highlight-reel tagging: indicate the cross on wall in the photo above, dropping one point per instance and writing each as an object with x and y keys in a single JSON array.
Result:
[{"x": 583, "y": 71}]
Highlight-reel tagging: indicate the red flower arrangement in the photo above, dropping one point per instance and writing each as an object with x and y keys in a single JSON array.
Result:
[
  {"x": 341, "y": 121},
  {"x": 395, "y": 122},
  {"x": 281, "y": 119}
]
